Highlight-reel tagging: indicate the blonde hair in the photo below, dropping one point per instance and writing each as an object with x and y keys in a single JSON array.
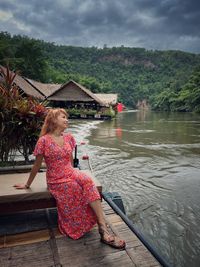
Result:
[{"x": 50, "y": 123}]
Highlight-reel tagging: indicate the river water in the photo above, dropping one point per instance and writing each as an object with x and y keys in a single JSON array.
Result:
[{"x": 152, "y": 161}]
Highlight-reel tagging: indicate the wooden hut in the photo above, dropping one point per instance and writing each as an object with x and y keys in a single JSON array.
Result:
[
  {"x": 81, "y": 102},
  {"x": 72, "y": 94}
]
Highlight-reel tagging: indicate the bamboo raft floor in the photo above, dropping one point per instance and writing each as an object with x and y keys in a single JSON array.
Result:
[{"x": 41, "y": 245}]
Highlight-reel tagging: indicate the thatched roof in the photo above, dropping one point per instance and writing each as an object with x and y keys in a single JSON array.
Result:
[
  {"x": 107, "y": 99},
  {"x": 74, "y": 92},
  {"x": 26, "y": 87},
  {"x": 45, "y": 88}
]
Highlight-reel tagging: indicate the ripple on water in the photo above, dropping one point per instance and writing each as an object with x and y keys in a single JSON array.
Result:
[{"x": 158, "y": 181}]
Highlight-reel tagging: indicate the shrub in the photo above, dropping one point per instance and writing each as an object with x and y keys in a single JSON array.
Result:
[{"x": 20, "y": 119}]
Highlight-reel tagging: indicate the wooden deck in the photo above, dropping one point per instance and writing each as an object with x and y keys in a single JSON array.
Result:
[{"x": 46, "y": 247}]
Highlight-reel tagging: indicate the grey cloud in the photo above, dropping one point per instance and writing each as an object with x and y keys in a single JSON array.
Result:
[
  {"x": 153, "y": 24},
  {"x": 6, "y": 5},
  {"x": 177, "y": 16}
]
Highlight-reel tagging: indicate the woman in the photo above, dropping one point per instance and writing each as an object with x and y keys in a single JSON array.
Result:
[{"x": 78, "y": 201}]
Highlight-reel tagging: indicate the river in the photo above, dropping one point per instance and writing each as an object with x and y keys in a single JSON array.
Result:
[{"x": 152, "y": 160}]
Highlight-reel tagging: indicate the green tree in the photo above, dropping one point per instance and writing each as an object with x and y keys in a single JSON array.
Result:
[
  {"x": 31, "y": 60},
  {"x": 133, "y": 73},
  {"x": 191, "y": 93}
]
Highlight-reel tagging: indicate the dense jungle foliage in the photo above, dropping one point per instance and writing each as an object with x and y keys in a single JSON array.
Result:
[{"x": 169, "y": 80}]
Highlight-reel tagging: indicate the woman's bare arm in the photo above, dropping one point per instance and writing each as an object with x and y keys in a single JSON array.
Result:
[{"x": 33, "y": 173}]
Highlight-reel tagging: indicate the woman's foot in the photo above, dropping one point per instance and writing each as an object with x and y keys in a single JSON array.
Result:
[{"x": 110, "y": 239}]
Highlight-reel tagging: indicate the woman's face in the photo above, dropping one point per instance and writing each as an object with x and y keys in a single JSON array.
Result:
[{"x": 62, "y": 121}]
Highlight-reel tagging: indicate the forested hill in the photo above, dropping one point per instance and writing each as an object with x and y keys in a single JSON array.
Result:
[{"x": 169, "y": 80}]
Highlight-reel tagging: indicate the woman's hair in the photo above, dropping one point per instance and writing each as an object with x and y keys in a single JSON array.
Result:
[{"x": 50, "y": 123}]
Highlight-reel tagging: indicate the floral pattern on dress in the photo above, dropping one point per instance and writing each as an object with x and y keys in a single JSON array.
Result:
[{"x": 72, "y": 189}]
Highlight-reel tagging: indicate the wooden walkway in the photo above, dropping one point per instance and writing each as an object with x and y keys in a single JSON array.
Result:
[{"x": 46, "y": 247}]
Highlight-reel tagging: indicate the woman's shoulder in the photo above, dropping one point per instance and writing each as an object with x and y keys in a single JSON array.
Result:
[
  {"x": 43, "y": 138},
  {"x": 67, "y": 134},
  {"x": 69, "y": 137}
]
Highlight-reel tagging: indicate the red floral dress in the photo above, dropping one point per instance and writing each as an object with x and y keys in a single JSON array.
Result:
[{"x": 72, "y": 189}]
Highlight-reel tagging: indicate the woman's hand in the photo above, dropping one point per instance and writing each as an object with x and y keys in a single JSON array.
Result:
[
  {"x": 21, "y": 186},
  {"x": 32, "y": 174}
]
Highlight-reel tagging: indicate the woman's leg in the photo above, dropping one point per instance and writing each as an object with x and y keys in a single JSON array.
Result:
[
  {"x": 96, "y": 206},
  {"x": 91, "y": 194},
  {"x": 106, "y": 237}
]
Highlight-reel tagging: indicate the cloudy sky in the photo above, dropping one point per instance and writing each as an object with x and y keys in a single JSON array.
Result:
[{"x": 152, "y": 24}]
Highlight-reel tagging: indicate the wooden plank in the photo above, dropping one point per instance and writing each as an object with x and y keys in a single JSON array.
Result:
[
  {"x": 17, "y": 206},
  {"x": 92, "y": 253},
  {"x": 117, "y": 259},
  {"x": 26, "y": 221},
  {"x": 142, "y": 258},
  {"x": 25, "y": 238},
  {"x": 52, "y": 241},
  {"x": 86, "y": 251},
  {"x": 31, "y": 255},
  {"x": 133, "y": 245},
  {"x": 115, "y": 219},
  {"x": 2, "y": 241}
]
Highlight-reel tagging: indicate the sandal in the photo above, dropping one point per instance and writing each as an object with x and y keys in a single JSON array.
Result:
[{"x": 112, "y": 240}]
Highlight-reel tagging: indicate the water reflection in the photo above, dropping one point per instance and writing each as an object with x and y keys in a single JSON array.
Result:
[{"x": 152, "y": 160}]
